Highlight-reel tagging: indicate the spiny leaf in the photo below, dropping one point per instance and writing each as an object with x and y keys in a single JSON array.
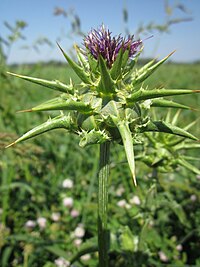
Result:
[
  {"x": 172, "y": 142},
  {"x": 56, "y": 85},
  {"x": 115, "y": 71},
  {"x": 147, "y": 72},
  {"x": 164, "y": 103},
  {"x": 187, "y": 146},
  {"x": 93, "y": 137},
  {"x": 188, "y": 166},
  {"x": 106, "y": 84},
  {"x": 92, "y": 62},
  {"x": 127, "y": 140},
  {"x": 176, "y": 117},
  {"x": 57, "y": 122},
  {"x": 143, "y": 94},
  {"x": 79, "y": 70},
  {"x": 130, "y": 67},
  {"x": 62, "y": 103},
  {"x": 163, "y": 127},
  {"x": 81, "y": 58}
]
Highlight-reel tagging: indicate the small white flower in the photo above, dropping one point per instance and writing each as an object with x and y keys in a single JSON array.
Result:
[
  {"x": 151, "y": 223},
  {"x": 179, "y": 247},
  {"x": 30, "y": 224},
  {"x": 86, "y": 257},
  {"x": 78, "y": 242},
  {"x": 162, "y": 256},
  {"x": 193, "y": 198},
  {"x": 61, "y": 262},
  {"x": 42, "y": 222},
  {"x": 120, "y": 190},
  {"x": 68, "y": 183},
  {"x": 68, "y": 202},
  {"x": 135, "y": 200},
  {"x": 74, "y": 213},
  {"x": 55, "y": 216},
  {"x": 198, "y": 177},
  {"x": 79, "y": 231},
  {"x": 122, "y": 203}
]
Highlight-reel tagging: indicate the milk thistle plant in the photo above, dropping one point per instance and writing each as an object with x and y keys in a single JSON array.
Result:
[{"x": 109, "y": 105}]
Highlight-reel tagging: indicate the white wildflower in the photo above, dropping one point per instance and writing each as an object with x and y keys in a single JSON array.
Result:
[
  {"x": 179, "y": 247},
  {"x": 42, "y": 222},
  {"x": 55, "y": 216},
  {"x": 162, "y": 256},
  {"x": 68, "y": 202},
  {"x": 74, "y": 213},
  {"x": 68, "y": 183},
  {"x": 135, "y": 200},
  {"x": 30, "y": 224},
  {"x": 120, "y": 190},
  {"x": 61, "y": 262},
  {"x": 86, "y": 257},
  {"x": 193, "y": 198},
  {"x": 78, "y": 242},
  {"x": 79, "y": 231},
  {"x": 122, "y": 203}
]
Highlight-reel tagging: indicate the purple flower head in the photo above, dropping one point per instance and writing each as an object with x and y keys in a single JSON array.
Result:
[{"x": 100, "y": 42}]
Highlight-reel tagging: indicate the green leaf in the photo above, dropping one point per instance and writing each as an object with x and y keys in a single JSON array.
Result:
[
  {"x": 56, "y": 250},
  {"x": 106, "y": 84},
  {"x": 177, "y": 209},
  {"x": 82, "y": 59},
  {"x": 140, "y": 71},
  {"x": 78, "y": 70},
  {"x": 130, "y": 66},
  {"x": 92, "y": 62},
  {"x": 63, "y": 103},
  {"x": 87, "y": 247},
  {"x": 116, "y": 69},
  {"x": 164, "y": 103},
  {"x": 21, "y": 186},
  {"x": 123, "y": 127},
  {"x": 5, "y": 256},
  {"x": 125, "y": 58},
  {"x": 163, "y": 127},
  {"x": 58, "y": 122},
  {"x": 188, "y": 166},
  {"x": 148, "y": 71},
  {"x": 143, "y": 235},
  {"x": 127, "y": 240},
  {"x": 55, "y": 85},
  {"x": 143, "y": 94},
  {"x": 93, "y": 137}
]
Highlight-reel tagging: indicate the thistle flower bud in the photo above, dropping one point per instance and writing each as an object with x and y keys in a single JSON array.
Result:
[{"x": 100, "y": 42}]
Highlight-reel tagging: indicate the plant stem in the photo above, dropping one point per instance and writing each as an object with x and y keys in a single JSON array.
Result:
[{"x": 103, "y": 235}]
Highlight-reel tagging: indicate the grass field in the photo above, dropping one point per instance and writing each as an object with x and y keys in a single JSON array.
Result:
[{"x": 31, "y": 186}]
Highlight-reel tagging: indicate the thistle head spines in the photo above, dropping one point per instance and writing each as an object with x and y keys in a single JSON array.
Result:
[{"x": 100, "y": 42}]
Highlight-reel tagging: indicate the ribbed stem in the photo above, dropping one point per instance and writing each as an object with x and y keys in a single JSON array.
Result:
[{"x": 103, "y": 234}]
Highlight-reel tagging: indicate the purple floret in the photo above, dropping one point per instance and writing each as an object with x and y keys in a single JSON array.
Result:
[{"x": 100, "y": 42}]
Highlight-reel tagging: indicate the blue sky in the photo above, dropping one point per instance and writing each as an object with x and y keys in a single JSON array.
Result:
[{"x": 184, "y": 37}]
